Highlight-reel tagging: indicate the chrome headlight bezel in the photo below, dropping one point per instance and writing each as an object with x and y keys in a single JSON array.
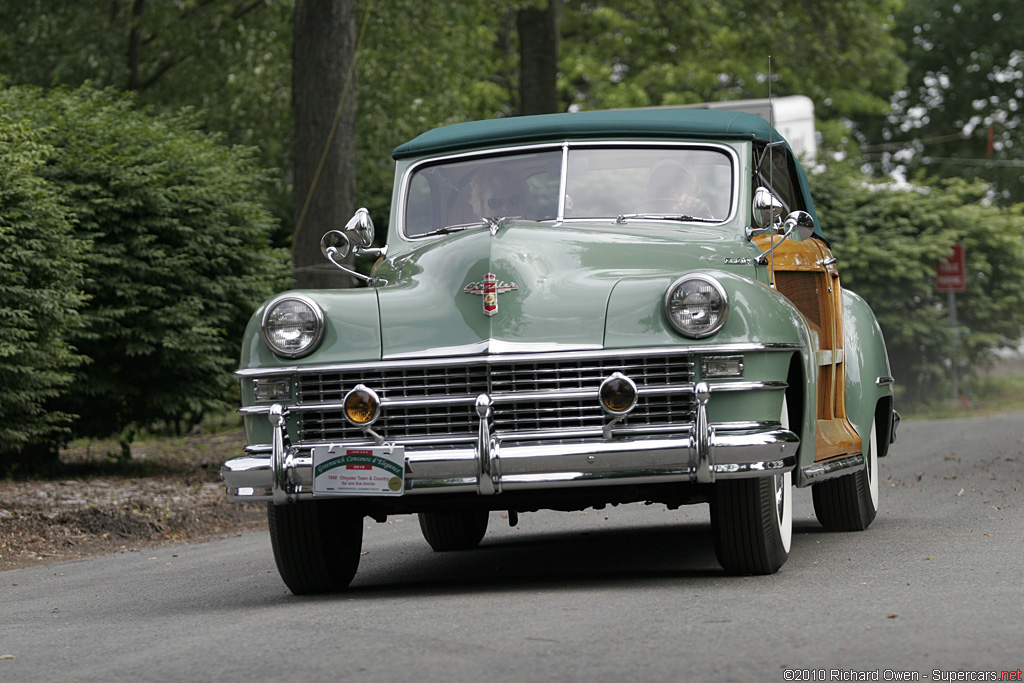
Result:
[
  {"x": 676, "y": 305},
  {"x": 310, "y": 334}
]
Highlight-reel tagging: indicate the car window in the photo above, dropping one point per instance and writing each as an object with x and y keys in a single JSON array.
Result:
[
  {"x": 464, "y": 192},
  {"x": 778, "y": 173},
  {"x": 601, "y": 182},
  {"x": 611, "y": 182}
]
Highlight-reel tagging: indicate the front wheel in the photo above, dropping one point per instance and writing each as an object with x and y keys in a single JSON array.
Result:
[
  {"x": 850, "y": 502},
  {"x": 446, "y": 531},
  {"x": 752, "y": 523},
  {"x": 316, "y": 544}
]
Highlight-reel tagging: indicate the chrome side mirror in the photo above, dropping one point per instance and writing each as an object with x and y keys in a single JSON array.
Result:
[
  {"x": 767, "y": 208},
  {"x": 355, "y": 238},
  {"x": 335, "y": 245},
  {"x": 798, "y": 226},
  {"x": 359, "y": 229}
]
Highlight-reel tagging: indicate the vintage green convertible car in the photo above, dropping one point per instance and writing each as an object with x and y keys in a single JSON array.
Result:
[{"x": 571, "y": 311}]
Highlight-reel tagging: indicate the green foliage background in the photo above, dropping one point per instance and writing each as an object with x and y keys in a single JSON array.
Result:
[
  {"x": 40, "y": 274},
  {"x": 888, "y": 238},
  {"x": 171, "y": 241}
]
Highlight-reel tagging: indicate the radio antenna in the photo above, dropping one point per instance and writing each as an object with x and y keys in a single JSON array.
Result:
[{"x": 771, "y": 167}]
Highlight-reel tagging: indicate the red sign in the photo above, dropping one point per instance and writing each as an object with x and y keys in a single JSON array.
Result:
[{"x": 951, "y": 273}]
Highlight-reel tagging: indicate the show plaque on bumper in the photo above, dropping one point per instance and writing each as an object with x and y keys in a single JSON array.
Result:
[{"x": 374, "y": 471}]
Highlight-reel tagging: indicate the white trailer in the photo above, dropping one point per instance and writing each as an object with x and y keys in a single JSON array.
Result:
[{"x": 794, "y": 119}]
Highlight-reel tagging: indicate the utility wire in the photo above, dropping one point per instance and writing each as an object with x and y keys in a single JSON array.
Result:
[{"x": 884, "y": 146}]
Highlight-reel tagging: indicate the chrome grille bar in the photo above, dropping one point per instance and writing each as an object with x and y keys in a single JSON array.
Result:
[{"x": 434, "y": 402}]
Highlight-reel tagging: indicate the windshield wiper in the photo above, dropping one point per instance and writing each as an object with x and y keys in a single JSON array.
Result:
[
  {"x": 664, "y": 217},
  {"x": 449, "y": 229}
]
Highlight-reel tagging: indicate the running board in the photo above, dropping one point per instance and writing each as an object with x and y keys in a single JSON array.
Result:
[{"x": 820, "y": 471}]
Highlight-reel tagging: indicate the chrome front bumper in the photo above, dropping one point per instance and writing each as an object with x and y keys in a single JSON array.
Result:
[{"x": 492, "y": 465}]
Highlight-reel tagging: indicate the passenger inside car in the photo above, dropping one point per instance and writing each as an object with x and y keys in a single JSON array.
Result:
[{"x": 673, "y": 189}]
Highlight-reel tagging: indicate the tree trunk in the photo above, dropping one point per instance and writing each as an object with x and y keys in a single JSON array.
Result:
[
  {"x": 538, "y": 59},
  {"x": 323, "y": 55}
]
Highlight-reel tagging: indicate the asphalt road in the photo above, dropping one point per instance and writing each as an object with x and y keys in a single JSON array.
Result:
[{"x": 932, "y": 590}]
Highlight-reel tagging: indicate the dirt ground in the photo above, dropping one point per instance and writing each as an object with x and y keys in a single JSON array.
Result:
[{"x": 169, "y": 492}]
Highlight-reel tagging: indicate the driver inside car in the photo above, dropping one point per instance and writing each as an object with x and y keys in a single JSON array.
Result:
[{"x": 494, "y": 192}]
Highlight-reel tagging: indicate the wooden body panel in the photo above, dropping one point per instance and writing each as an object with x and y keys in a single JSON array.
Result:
[{"x": 805, "y": 273}]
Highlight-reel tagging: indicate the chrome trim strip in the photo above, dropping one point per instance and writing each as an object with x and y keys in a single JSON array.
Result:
[
  {"x": 444, "y": 351},
  {"x": 885, "y": 381},
  {"x": 748, "y": 386},
  {"x": 513, "y": 358},
  {"x": 505, "y": 347},
  {"x": 563, "y": 175},
  {"x": 493, "y": 346},
  {"x": 680, "y": 432},
  {"x": 821, "y": 471}
]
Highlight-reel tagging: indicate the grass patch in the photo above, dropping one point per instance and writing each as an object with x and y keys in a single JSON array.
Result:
[{"x": 985, "y": 395}]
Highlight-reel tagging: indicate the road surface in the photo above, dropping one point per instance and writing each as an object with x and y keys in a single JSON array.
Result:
[{"x": 933, "y": 590}]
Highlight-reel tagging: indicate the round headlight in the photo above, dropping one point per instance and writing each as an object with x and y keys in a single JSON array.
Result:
[
  {"x": 292, "y": 325},
  {"x": 696, "y": 305}
]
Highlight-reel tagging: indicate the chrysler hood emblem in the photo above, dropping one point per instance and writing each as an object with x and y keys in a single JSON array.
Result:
[{"x": 490, "y": 288}]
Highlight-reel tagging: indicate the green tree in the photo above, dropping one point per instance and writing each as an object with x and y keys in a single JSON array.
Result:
[
  {"x": 455, "y": 64},
  {"x": 40, "y": 273},
  {"x": 888, "y": 239},
  {"x": 636, "y": 53},
  {"x": 230, "y": 60},
  {"x": 177, "y": 259},
  {"x": 965, "y": 83}
]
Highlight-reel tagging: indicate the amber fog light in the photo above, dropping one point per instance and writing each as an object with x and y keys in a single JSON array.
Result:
[
  {"x": 618, "y": 394},
  {"x": 362, "y": 406}
]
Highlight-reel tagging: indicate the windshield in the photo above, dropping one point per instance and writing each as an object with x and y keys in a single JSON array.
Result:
[{"x": 603, "y": 182}]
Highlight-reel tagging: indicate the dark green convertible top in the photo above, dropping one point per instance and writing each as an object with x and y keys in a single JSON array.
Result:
[
  {"x": 655, "y": 123},
  {"x": 623, "y": 123}
]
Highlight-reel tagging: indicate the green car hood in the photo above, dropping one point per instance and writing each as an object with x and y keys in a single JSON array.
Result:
[{"x": 550, "y": 286}]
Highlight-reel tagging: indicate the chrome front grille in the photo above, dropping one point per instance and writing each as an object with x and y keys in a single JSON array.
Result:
[{"x": 434, "y": 403}]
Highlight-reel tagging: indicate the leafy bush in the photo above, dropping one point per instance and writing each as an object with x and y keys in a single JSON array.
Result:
[
  {"x": 887, "y": 240},
  {"x": 40, "y": 272},
  {"x": 177, "y": 256}
]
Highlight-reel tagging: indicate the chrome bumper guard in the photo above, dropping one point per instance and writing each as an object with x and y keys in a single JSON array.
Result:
[{"x": 493, "y": 465}]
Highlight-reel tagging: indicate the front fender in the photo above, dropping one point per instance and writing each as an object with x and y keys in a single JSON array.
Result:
[
  {"x": 869, "y": 391},
  {"x": 351, "y": 331},
  {"x": 757, "y": 315}
]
